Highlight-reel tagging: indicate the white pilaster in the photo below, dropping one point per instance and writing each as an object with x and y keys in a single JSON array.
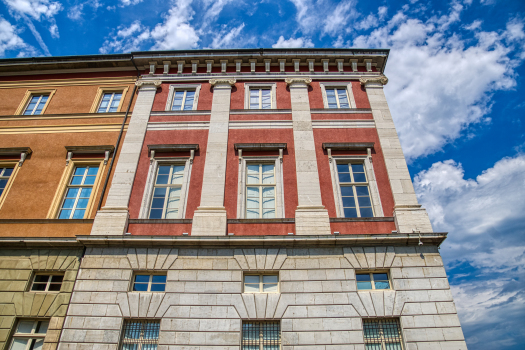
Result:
[
  {"x": 408, "y": 214},
  {"x": 210, "y": 217},
  {"x": 113, "y": 217},
  {"x": 311, "y": 217}
]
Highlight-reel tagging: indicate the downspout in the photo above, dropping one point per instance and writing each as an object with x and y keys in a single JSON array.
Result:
[{"x": 118, "y": 138}]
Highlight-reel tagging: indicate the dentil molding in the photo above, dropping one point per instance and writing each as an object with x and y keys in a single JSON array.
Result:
[{"x": 382, "y": 79}]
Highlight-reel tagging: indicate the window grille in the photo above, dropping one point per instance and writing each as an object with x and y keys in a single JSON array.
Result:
[
  {"x": 260, "y": 98},
  {"x": 261, "y": 335},
  {"x": 355, "y": 193},
  {"x": 337, "y": 98},
  {"x": 36, "y": 104},
  {"x": 29, "y": 335},
  {"x": 78, "y": 192},
  {"x": 5, "y": 173},
  {"x": 140, "y": 335},
  {"x": 109, "y": 102},
  {"x": 183, "y": 100},
  {"x": 260, "y": 191},
  {"x": 384, "y": 334}
]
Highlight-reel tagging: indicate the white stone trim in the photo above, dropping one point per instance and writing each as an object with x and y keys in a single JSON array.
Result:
[
  {"x": 343, "y": 124},
  {"x": 372, "y": 183},
  {"x": 186, "y": 125},
  {"x": 241, "y": 190},
  {"x": 349, "y": 92},
  {"x": 175, "y": 87},
  {"x": 261, "y": 124},
  {"x": 150, "y": 183},
  {"x": 248, "y": 86}
]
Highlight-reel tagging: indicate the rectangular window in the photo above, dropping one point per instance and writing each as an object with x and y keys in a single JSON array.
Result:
[
  {"x": 29, "y": 335},
  {"x": 149, "y": 283},
  {"x": 337, "y": 98},
  {"x": 260, "y": 191},
  {"x": 47, "y": 283},
  {"x": 261, "y": 283},
  {"x": 78, "y": 192},
  {"x": 260, "y": 98},
  {"x": 36, "y": 104},
  {"x": 5, "y": 173},
  {"x": 109, "y": 102},
  {"x": 355, "y": 193},
  {"x": 382, "y": 334},
  {"x": 183, "y": 100},
  {"x": 261, "y": 335},
  {"x": 140, "y": 335},
  {"x": 372, "y": 280},
  {"x": 165, "y": 202}
]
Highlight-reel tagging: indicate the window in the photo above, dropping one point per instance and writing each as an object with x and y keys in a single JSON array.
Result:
[
  {"x": 372, "y": 280},
  {"x": 110, "y": 102},
  {"x": 259, "y": 96},
  {"x": 337, "y": 95},
  {"x": 29, "y": 335},
  {"x": 149, "y": 283},
  {"x": 355, "y": 194},
  {"x": 261, "y": 335},
  {"x": 165, "y": 202},
  {"x": 5, "y": 173},
  {"x": 78, "y": 192},
  {"x": 382, "y": 334},
  {"x": 140, "y": 335},
  {"x": 46, "y": 283},
  {"x": 261, "y": 283},
  {"x": 183, "y": 97},
  {"x": 36, "y": 104},
  {"x": 260, "y": 191}
]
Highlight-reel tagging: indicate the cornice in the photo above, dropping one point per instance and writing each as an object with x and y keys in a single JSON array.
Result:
[
  {"x": 224, "y": 81},
  {"x": 382, "y": 79},
  {"x": 298, "y": 80}
]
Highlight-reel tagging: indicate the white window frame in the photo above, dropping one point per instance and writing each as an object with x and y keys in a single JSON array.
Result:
[
  {"x": 179, "y": 87},
  {"x": 241, "y": 191},
  {"x": 37, "y": 104},
  {"x": 110, "y": 101},
  {"x": 338, "y": 85},
  {"x": 29, "y": 336},
  {"x": 94, "y": 188},
  {"x": 150, "y": 184},
  {"x": 150, "y": 274},
  {"x": 370, "y": 175},
  {"x": 248, "y": 86},
  {"x": 261, "y": 284},
  {"x": 371, "y": 273},
  {"x": 48, "y": 282}
]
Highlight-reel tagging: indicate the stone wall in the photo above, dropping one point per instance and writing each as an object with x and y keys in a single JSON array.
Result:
[
  {"x": 17, "y": 268},
  {"x": 318, "y": 304}
]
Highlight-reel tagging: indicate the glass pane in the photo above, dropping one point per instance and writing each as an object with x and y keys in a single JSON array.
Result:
[
  {"x": 359, "y": 177},
  {"x": 77, "y": 180},
  {"x": 38, "y": 287},
  {"x": 8, "y": 172},
  {"x": 159, "y": 192},
  {"x": 268, "y": 203},
  {"x": 364, "y": 285},
  {"x": 55, "y": 287},
  {"x": 361, "y": 190},
  {"x": 140, "y": 287},
  {"x": 271, "y": 347},
  {"x": 364, "y": 201},
  {"x": 42, "y": 327},
  {"x": 348, "y": 202},
  {"x": 268, "y": 192},
  {"x": 64, "y": 214},
  {"x": 164, "y": 169},
  {"x": 155, "y": 214},
  {"x": 171, "y": 214},
  {"x": 142, "y": 278},
  {"x": 252, "y": 203},
  {"x": 85, "y": 193},
  {"x": 82, "y": 203},
  {"x": 382, "y": 285},
  {"x": 268, "y": 213},
  {"x": 362, "y": 277},
  {"x": 252, "y": 213},
  {"x": 253, "y": 174},
  {"x": 371, "y": 330},
  {"x": 270, "y": 288},
  {"x": 173, "y": 199},
  {"x": 157, "y": 202},
  {"x": 270, "y": 279},
  {"x": 149, "y": 347},
  {"x": 133, "y": 330},
  {"x": 254, "y": 93},
  {"x": 344, "y": 177},
  {"x": 366, "y": 212},
  {"x": 158, "y": 287},
  {"x": 78, "y": 214},
  {"x": 162, "y": 179},
  {"x": 158, "y": 279},
  {"x": 25, "y": 326},
  {"x": 342, "y": 168},
  {"x": 251, "y": 288},
  {"x": 380, "y": 277},
  {"x": 90, "y": 180},
  {"x": 330, "y": 92},
  {"x": 72, "y": 193},
  {"x": 19, "y": 344},
  {"x": 178, "y": 174},
  {"x": 358, "y": 168},
  {"x": 42, "y": 278},
  {"x": 350, "y": 212},
  {"x": 251, "y": 279}
]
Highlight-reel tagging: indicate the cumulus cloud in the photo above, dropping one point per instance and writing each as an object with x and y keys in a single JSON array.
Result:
[
  {"x": 293, "y": 43},
  {"x": 37, "y": 9},
  {"x": 10, "y": 41},
  {"x": 485, "y": 248},
  {"x": 227, "y": 39},
  {"x": 441, "y": 83},
  {"x": 334, "y": 15},
  {"x": 124, "y": 3}
]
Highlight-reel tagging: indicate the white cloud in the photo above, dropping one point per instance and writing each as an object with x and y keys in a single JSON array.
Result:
[
  {"x": 35, "y": 8},
  {"x": 225, "y": 39},
  {"x": 484, "y": 217},
  {"x": 440, "y": 83},
  {"x": 293, "y": 43},
  {"x": 124, "y": 3},
  {"x": 10, "y": 41},
  {"x": 53, "y": 30},
  {"x": 338, "y": 19},
  {"x": 213, "y": 12},
  {"x": 127, "y": 39},
  {"x": 333, "y": 15}
]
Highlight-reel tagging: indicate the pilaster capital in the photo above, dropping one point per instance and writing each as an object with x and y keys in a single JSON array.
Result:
[
  {"x": 382, "y": 79},
  {"x": 298, "y": 81},
  {"x": 148, "y": 84},
  {"x": 216, "y": 82}
]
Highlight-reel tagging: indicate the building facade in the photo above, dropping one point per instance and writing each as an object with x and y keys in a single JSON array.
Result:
[{"x": 255, "y": 199}]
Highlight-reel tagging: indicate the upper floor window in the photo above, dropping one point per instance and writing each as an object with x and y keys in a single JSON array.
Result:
[
  {"x": 260, "y": 191},
  {"x": 5, "y": 173},
  {"x": 36, "y": 104},
  {"x": 29, "y": 335},
  {"x": 140, "y": 335},
  {"x": 261, "y": 335},
  {"x": 355, "y": 192},
  {"x": 261, "y": 283},
  {"x": 165, "y": 202},
  {"x": 183, "y": 97},
  {"x": 110, "y": 102},
  {"x": 78, "y": 192},
  {"x": 47, "y": 283},
  {"x": 149, "y": 283},
  {"x": 259, "y": 96},
  {"x": 337, "y": 95},
  {"x": 372, "y": 280},
  {"x": 382, "y": 334}
]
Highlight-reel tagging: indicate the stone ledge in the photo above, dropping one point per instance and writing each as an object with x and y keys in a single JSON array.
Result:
[
  {"x": 262, "y": 221},
  {"x": 46, "y": 221},
  {"x": 375, "y": 219},
  {"x": 160, "y": 221}
]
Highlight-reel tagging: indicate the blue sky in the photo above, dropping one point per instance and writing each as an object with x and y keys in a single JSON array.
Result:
[{"x": 456, "y": 72}]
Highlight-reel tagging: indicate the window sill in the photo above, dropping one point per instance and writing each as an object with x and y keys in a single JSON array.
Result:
[
  {"x": 262, "y": 221},
  {"x": 375, "y": 219},
  {"x": 160, "y": 221},
  {"x": 340, "y": 110}
]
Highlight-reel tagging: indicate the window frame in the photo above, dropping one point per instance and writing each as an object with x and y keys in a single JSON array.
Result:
[
  {"x": 108, "y": 89},
  {"x": 382, "y": 341},
  {"x": 46, "y": 273},
  {"x": 151, "y": 274},
  {"x": 371, "y": 182},
  {"x": 31, "y": 335},
  {"x": 371, "y": 273},
  {"x": 338, "y": 85},
  {"x": 140, "y": 341},
  {"x": 27, "y": 98},
  {"x": 261, "y": 284},
  {"x": 16, "y": 168},
  {"x": 182, "y": 87},
  {"x": 63, "y": 185},
  {"x": 250, "y": 86},
  {"x": 261, "y": 340},
  {"x": 242, "y": 192},
  {"x": 147, "y": 197}
]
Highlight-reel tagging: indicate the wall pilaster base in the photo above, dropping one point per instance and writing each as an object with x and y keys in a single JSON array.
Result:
[
  {"x": 312, "y": 220},
  {"x": 209, "y": 221},
  {"x": 411, "y": 219},
  {"x": 110, "y": 222}
]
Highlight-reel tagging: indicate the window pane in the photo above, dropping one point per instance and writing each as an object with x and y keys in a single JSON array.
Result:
[
  {"x": 359, "y": 177},
  {"x": 364, "y": 285},
  {"x": 270, "y": 279},
  {"x": 362, "y": 277},
  {"x": 158, "y": 287},
  {"x": 344, "y": 177},
  {"x": 19, "y": 344},
  {"x": 270, "y": 288},
  {"x": 78, "y": 214},
  {"x": 342, "y": 168},
  {"x": 350, "y": 212},
  {"x": 162, "y": 179},
  {"x": 373, "y": 347},
  {"x": 158, "y": 279},
  {"x": 393, "y": 346},
  {"x": 160, "y": 192},
  {"x": 25, "y": 327},
  {"x": 140, "y": 287},
  {"x": 42, "y": 278},
  {"x": 348, "y": 202},
  {"x": 382, "y": 285},
  {"x": 64, "y": 214},
  {"x": 130, "y": 346},
  {"x": 380, "y": 277},
  {"x": 347, "y": 191},
  {"x": 82, "y": 203},
  {"x": 55, "y": 287},
  {"x": 366, "y": 212},
  {"x": 371, "y": 330},
  {"x": 361, "y": 190},
  {"x": 251, "y": 288},
  {"x": 155, "y": 214},
  {"x": 142, "y": 278},
  {"x": 42, "y": 327},
  {"x": 38, "y": 287},
  {"x": 251, "y": 279},
  {"x": 253, "y": 173},
  {"x": 250, "y": 331},
  {"x": 7, "y": 172},
  {"x": 157, "y": 202},
  {"x": 90, "y": 180}
]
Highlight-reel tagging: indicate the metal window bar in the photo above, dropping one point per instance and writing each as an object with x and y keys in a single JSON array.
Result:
[
  {"x": 140, "y": 335},
  {"x": 382, "y": 334},
  {"x": 264, "y": 335}
]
